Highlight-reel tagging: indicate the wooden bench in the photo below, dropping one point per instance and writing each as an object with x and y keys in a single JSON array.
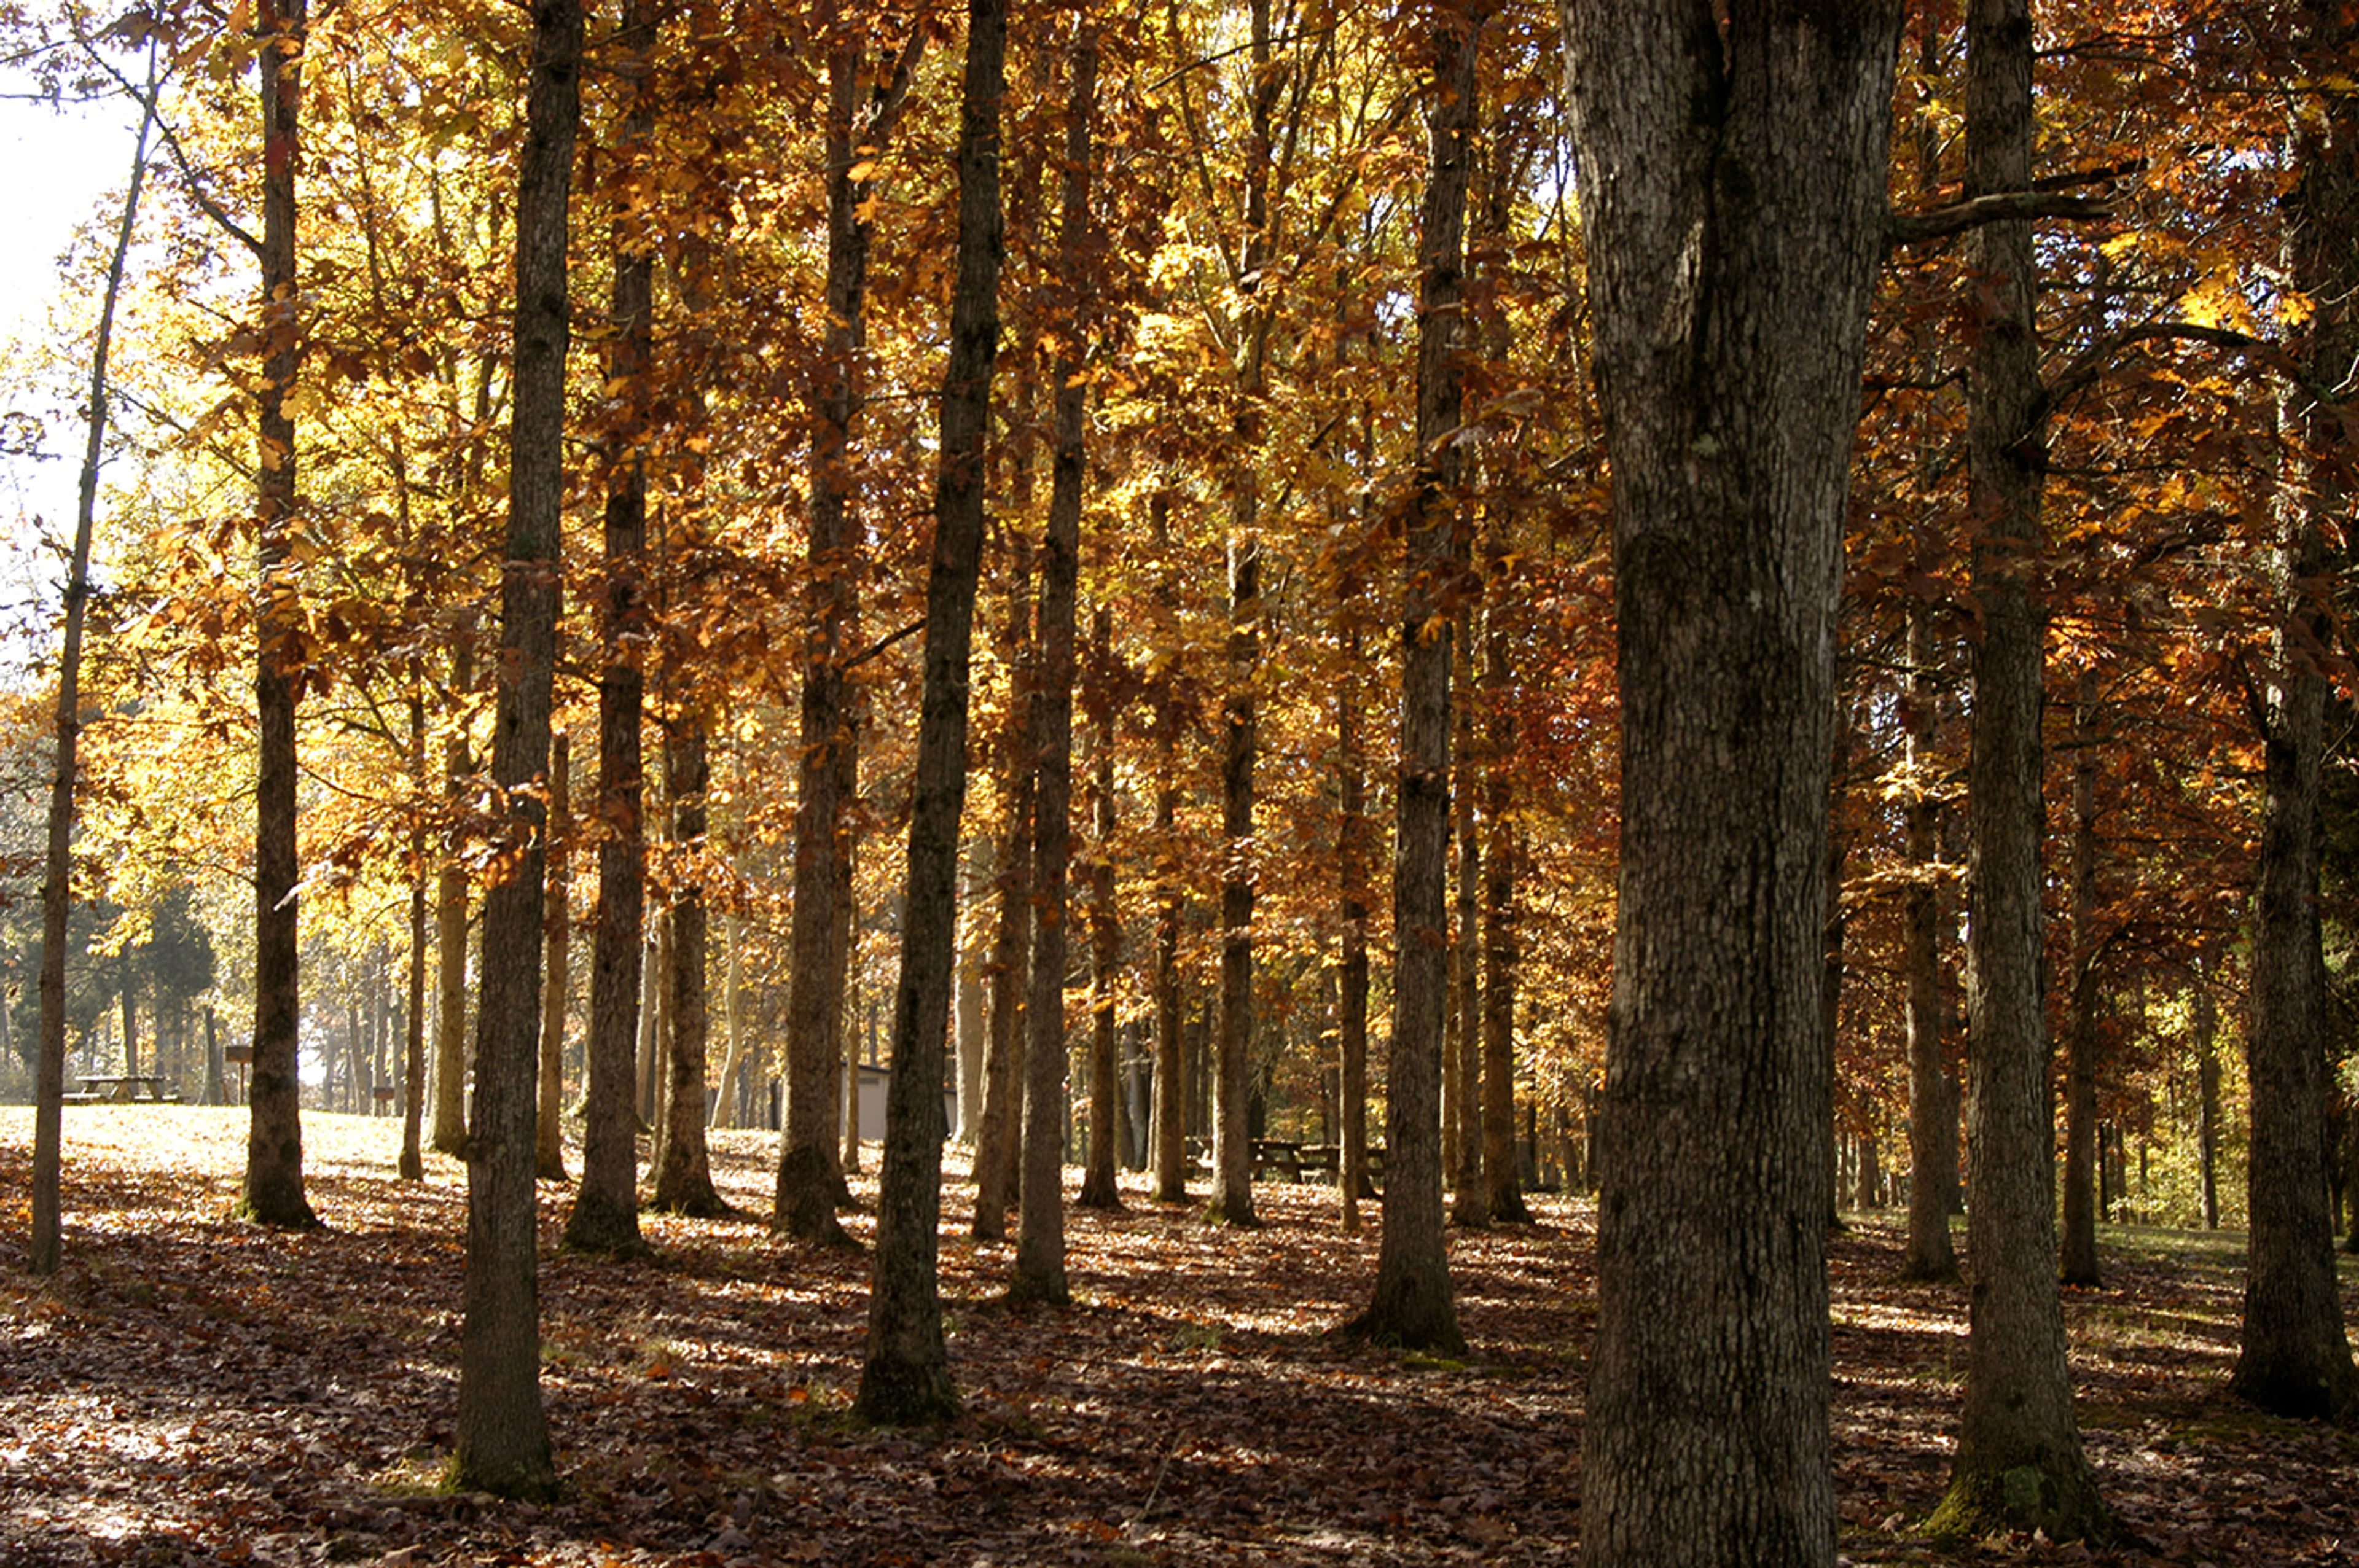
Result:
[
  {"x": 1325, "y": 1160},
  {"x": 1277, "y": 1155}
]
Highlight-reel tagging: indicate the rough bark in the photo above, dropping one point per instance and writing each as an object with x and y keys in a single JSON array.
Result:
[
  {"x": 683, "y": 1182},
  {"x": 273, "y": 1193},
  {"x": 2019, "y": 1462},
  {"x": 1412, "y": 1302},
  {"x": 605, "y": 1213},
  {"x": 449, "y": 1134},
  {"x": 50, "y": 1068},
  {"x": 2295, "y": 1354},
  {"x": 905, "y": 1376},
  {"x": 502, "y": 1444},
  {"x": 1470, "y": 1206},
  {"x": 1501, "y": 950},
  {"x": 557, "y": 943},
  {"x": 1733, "y": 185},
  {"x": 1170, "y": 1118}
]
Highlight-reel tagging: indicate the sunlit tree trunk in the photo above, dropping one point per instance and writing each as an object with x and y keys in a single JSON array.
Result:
[
  {"x": 996, "y": 1144},
  {"x": 50, "y": 1068},
  {"x": 905, "y": 1375},
  {"x": 1412, "y": 1302},
  {"x": 502, "y": 1444},
  {"x": 1351, "y": 977},
  {"x": 449, "y": 1134},
  {"x": 1932, "y": 1115},
  {"x": 683, "y": 1182}
]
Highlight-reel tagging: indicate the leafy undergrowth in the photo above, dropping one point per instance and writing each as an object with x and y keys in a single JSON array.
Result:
[{"x": 193, "y": 1390}]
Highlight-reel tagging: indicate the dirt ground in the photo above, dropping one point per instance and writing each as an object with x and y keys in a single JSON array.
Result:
[{"x": 192, "y": 1390}]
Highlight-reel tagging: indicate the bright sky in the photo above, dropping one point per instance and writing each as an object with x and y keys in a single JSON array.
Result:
[{"x": 59, "y": 166}]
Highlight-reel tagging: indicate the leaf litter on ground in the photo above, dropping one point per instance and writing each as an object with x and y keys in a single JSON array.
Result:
[{"x": 193, "y": 1390}]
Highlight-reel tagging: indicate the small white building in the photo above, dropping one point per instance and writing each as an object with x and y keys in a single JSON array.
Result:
[{"x": 873, "y": 1081}]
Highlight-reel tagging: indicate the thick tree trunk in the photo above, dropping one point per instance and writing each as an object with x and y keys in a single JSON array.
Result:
[
  {"x": 556, "y": 940},
  {"x": 2295, "y": 1357},
  {"x": 49, "y": 1094},
  {"x": 502, "y": 1433},
  {"x": 996, "y": 1146},
  {"x": 906, "y": 1378},
  {"x": 1412, "y": 1304},
  {"x": 605, "y": 1213},
  {"x": 1932, "y": 1116},
  {"x": 273, "y": 1193},
  {"x": 1733, "y": 187},
  {"x": 2018, "y": 1463},
  {"x": 683, "y": 1182}
]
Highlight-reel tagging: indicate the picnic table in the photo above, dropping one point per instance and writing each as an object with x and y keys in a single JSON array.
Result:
[
  {"x": 1277, "y": 1155},
  {"x": 126, "y": 1089}
]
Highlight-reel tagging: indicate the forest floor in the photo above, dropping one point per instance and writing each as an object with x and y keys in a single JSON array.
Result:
[{"x": 192, "y": 1390}]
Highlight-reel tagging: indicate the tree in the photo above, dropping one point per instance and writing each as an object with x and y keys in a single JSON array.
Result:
[
  {"x": 503, "y": 1433},
  {"x": 1412, "y": 1304},
  {"x": 605, "y": 1213},
  {"x": 684, "y": 1173},
  {"x": 905, "y": 1376},
  {"x": 48, "y": 1091},
  {"x": 273, "y": 1193},
  {"x": 2295, "y": 1356},
  {"x": 1732, "y": 191},
  {"x": 2018, "y": 1460},
  {"x": 810, "y": 1181},
  {"x": 557, "y": 941}
]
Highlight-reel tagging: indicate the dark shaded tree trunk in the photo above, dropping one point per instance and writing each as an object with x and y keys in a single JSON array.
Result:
[
  {"x": 2207, "y": 1089},
  {"x": 1472, "y": 1205},
  {"x": 449, "y": 1135},
  {"x": 811, "y": 1182},
  {"x": 1932, "y": 1115},
  {"x": 1352, "y": 978},
  {"x": 905, "y": 1376},
  {"x": 1412, "y": 1304},
  {"x": 1101, "y": 1189},
  {"x": 1170, "y": 1119},
  {"x": 2018, "y": 1463},
  {"x": 273, "y": 1193},
  {"x": 557, "y": 943},
  {"x": 1733, "y": 187},
  {"x": 44, "y": 1246},
  {"x": 1040, "y": 1232},
  {"x": 999, "y": 1137},
  {"x": 502, "y": 1433},
  {"x": 1502, "y": 951},
  {"x": 2077, "y": 1261},
  {"x": 605, "y": 1213},
  {"x": 683, "y": 1182}
]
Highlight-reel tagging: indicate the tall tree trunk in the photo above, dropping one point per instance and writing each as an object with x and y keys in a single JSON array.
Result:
[
  {"x": 412, "y": 1167},
  {"x": 2207, "y": 1089},
  {"x": 1502, "y": 951},
  {"x": 503, "y": 1435},
  {"x": 2077, "y": 1262},
  {"x": 557, "y": 941},
  {"x": 995, "y": 1147},
  {"x": 1240, "y": 721},
  {"x": 605, "y": 1213},
  {"x": 1101, "y": 1188},
  {"x": 1933, "y": 1121},
  {"x": 905, "y": 1377},
  {"x": 737, "y": 1065},
  {"x": 57, "y": 895},
  {"x": 1040, "y": 1232},
  {"x": 2295, "y": 1356},
  {"x": 1171, "y": 1117},
  {"x": 1412, "y": 1304},
  {"x": 273, "y": 1193},
  {"x": 1733, "y": 187},
  {"x": 2019, "y": 1462},
  {"x": 683, "y": 1182},
  {"x": 968, "y": 1020},
  {"x": 810, "y": 1176},
  {"x": 451, "y": 947},
  {"x": 1472, "y": 1207},
  {"x": 1351, "y": 981}
]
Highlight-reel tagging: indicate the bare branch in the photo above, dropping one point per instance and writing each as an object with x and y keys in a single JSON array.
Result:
[{"x": 1915, "y": 228}]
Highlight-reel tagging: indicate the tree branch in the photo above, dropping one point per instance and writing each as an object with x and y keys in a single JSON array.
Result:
[{"x": 1915, "y": 228}]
